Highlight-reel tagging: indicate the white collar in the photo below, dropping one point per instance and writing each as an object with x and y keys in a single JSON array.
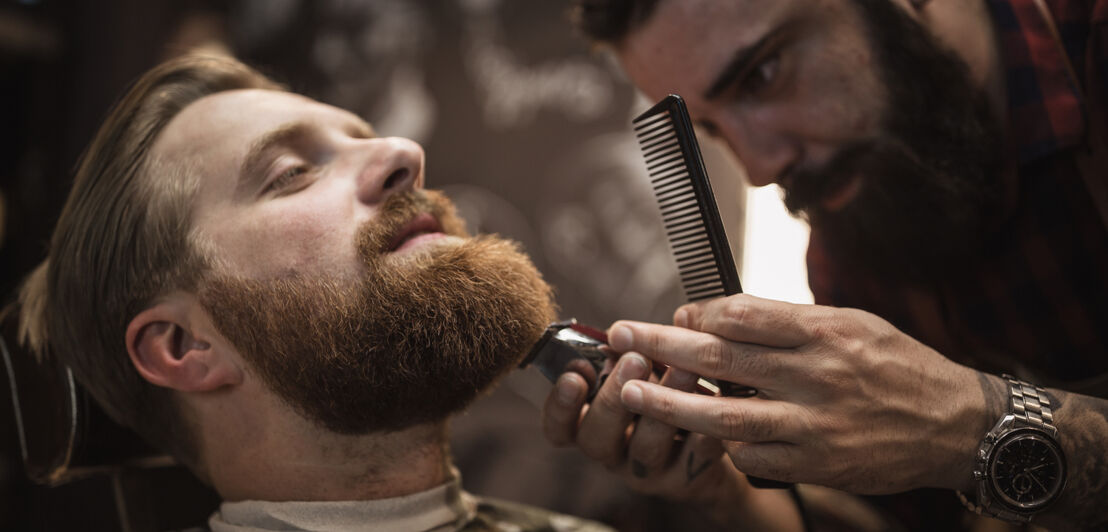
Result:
[{"x": 444, "y": 508}]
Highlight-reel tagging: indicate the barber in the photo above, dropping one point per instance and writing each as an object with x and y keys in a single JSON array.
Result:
[{"x": 948, "y": 155}]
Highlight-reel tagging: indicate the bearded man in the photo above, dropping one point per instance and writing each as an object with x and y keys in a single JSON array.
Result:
[
  {"x": 950, "y": 156},
  {"x": 259, "y": 284}
]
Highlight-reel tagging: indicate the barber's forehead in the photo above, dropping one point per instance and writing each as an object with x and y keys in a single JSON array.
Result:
[
  {"x": 697, "y": 38},
  {"x": 733, "y": 14}
]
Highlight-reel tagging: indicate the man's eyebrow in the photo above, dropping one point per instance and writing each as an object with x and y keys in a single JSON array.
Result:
[
  {"x": 361, "y": 127},
  {"x": 739, "y": 64},
  {"x": 251, "y": 171}
]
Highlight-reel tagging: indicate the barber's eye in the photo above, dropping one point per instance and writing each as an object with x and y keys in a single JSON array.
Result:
[
  {"x": 764, "y": 74},
  {"x": 709, "y": 127}
]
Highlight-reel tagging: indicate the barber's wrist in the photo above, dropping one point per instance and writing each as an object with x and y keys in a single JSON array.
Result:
[
  {"x": 730, "y": 503},
  {"x": 973, "y": 411},
  {"x": 993, "y": 403},
  {"x": 760, "y": 509},
  {"x": 1020, "y": 467}
]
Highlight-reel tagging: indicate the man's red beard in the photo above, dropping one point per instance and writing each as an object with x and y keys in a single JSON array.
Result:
[{"x": 412, "y": 341}]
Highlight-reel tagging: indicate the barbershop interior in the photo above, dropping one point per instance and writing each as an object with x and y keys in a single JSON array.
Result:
[{"x": 543, "y": 130}]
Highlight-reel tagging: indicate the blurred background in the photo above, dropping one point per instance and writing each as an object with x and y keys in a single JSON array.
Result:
[{"x": 524, "y": 126}]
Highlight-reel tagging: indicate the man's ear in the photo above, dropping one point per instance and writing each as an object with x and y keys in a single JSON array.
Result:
[{"x": 172, "y": 345}]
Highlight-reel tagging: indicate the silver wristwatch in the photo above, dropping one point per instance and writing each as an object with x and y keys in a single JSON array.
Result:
[{"x": 1020, "y": 468}]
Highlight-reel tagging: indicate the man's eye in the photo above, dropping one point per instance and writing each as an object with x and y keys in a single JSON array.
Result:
[
  {"x": 287, "y": 178},
  {"x": 763, "y": 75}
]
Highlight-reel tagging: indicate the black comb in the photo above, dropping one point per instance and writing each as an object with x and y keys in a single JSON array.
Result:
[{"x": 689, "y": 214}]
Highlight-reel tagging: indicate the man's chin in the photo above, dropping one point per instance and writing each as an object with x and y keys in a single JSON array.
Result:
[{"x": 418, "y": 338}]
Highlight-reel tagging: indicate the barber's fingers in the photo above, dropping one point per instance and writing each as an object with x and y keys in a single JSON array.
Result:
[
  {"x": 703, "y": 462},
  {"x": 602, "y": 435},
  {"x": 562, "y": 410},
  {"x": 774, "y": 460},
  {"x": 725, "y": 418},
  {"x": 749, "y": 319},
  {"x": 706, "y": 354},
  {"x": 695, "y": 469},
  {"x": 652, "y": 442}
]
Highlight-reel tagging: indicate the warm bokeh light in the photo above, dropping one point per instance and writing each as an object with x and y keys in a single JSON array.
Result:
[{"x": 773, "y": 255}]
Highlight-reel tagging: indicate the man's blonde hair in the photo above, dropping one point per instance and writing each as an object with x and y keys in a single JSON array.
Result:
[{"x": 122, "y": 242}]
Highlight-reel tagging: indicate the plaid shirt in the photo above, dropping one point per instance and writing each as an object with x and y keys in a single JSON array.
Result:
[{"x": 1035, "y": 300}]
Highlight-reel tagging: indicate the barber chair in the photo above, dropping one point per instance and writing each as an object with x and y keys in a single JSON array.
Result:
[{"x": 85, "y": 471}]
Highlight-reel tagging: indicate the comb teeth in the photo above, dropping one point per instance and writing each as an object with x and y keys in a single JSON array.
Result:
[
  {"x": 684, "y": 195},
  {"x": 689, "y": 213}
]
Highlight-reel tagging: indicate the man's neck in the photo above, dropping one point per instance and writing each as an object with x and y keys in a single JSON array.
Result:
[{"x": 282, "y": 457}]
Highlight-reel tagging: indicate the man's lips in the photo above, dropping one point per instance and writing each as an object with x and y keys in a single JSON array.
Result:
[{"x": 422, "y": 228}]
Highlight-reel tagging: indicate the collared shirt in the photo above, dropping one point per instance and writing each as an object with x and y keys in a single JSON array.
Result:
[
  {"x": 442, "y": 509},
  {"x": 1035, "y": 300}
]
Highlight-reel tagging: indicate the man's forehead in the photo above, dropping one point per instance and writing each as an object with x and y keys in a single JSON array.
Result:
[{"x": 220, "y": 127}]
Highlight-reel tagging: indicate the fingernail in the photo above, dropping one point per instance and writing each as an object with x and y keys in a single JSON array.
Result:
[
  {"x": 632, "y": 396},
  {"x": 619, "y": 337},
  {"x": 632, "y": 366},
  {"x": 565, "y": 392},
  {"x": 681, "y": 318}
]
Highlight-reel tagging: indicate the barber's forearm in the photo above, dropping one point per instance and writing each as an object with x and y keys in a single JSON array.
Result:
[{"x": 1082, "y": 423}]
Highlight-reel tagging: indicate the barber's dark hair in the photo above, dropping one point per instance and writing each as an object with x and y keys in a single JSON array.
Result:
[
  {"x": 609, "y": 21},
  {"x": 122, "y": 241}
]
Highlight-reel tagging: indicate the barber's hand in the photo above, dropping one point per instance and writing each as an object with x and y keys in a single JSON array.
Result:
[
  {"x": 652, "y": 456},
  {"x": 845, "y": 399},
  {"x": 655, "y": 458}
]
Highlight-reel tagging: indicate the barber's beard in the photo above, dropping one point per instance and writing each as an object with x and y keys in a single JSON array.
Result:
[
  {"x": 414, "y": 340},
  {"x": 930, "y": 188}
]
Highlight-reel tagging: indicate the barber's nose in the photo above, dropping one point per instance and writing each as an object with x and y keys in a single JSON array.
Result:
[
  {"x": 765, "y": 153},
  {"x": 396, "y": 164}
]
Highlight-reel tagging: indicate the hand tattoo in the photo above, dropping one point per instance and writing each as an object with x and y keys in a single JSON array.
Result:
[
  {"x": 996, "y": 397},
  {"x": 692, "y": 471}
]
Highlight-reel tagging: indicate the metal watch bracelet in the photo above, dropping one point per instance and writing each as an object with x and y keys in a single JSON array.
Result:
[
  {"x": 1030, "y": 403},
  {"x": 1028, "y": 406}
]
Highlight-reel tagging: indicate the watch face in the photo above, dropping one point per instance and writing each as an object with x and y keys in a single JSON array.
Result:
[{"x": 1027, "y": 469}]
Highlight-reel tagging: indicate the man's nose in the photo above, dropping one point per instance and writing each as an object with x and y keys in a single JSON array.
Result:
[{"x": 395, "y": 164}]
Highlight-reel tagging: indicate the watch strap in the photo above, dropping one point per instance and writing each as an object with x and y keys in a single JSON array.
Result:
[
  {"x": 1028, "y": 406},
  {"x": 1030, "y": 403}
]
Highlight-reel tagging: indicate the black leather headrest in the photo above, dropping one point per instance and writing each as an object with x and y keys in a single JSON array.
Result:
[{"x": 63, "y": 433}]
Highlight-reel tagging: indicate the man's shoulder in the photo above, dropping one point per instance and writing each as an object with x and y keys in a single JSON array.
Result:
[{"x": 503, "y": 516}]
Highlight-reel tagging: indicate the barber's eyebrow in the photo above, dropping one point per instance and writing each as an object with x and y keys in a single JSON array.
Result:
[
  {"x": 251, "y": 173},
  {"x": 742, "y": 61}
]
